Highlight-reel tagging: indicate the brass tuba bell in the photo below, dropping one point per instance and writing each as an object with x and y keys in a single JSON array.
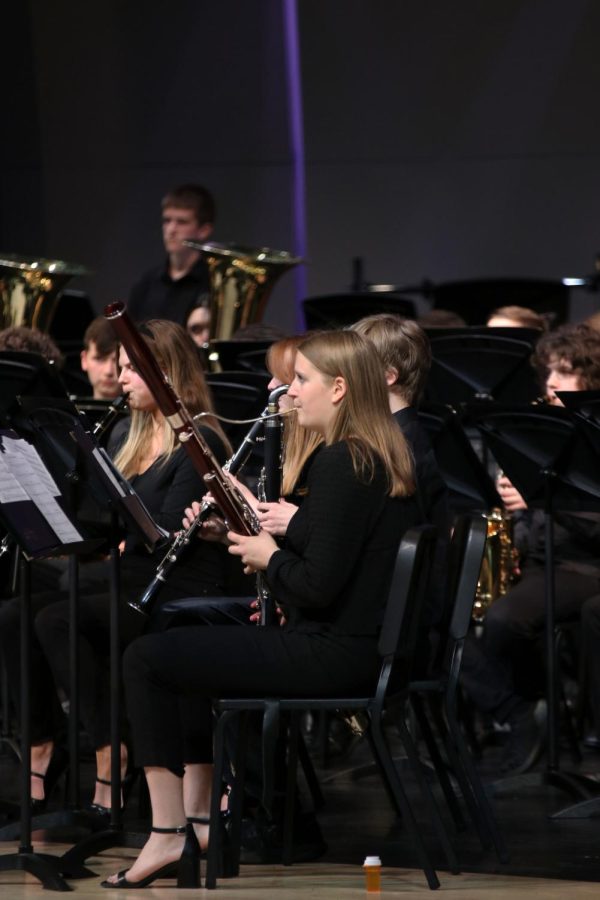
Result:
[
  {"x": 241, "y": 279},
  {"x": 30, "y": 289}
]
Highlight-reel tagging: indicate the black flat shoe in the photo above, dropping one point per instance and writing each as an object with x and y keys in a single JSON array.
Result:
[
  {"x": 59, "y": 763},
  {"x": 186, "y": 869}
]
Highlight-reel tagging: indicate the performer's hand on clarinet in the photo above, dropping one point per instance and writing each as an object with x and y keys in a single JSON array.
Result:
[
  {"x": 212, "y": 529},
  {"x": 275, "y": 517},
  {"x": 256, "y": 616},
  {"x": 255, "y": 551}
]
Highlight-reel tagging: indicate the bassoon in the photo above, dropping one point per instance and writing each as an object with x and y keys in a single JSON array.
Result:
[
  {"x": 236, "y": 512},
  {"x": 232, "y": 466}
]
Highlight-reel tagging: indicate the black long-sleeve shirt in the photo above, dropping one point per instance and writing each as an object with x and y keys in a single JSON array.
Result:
[
  {"x": 432, "y": 495},
  {"x": 334, "y": 571},
  {"x": 167, "y": 488}
]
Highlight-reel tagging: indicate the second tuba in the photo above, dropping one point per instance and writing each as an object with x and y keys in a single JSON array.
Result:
[{"x": 241, "y": 279}]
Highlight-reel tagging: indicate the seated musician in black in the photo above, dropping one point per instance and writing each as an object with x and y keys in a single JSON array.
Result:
[
  {"x": 332, "y": 577},
  {"x": 501, "y": 672},
  {"x": 163, "y": 475},
  {"x": 404, "y": 350},
  {"x": 300, "y": 446}
]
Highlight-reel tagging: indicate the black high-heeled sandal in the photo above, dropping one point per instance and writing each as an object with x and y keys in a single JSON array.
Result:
[
  {"x": 126, "y": 786},
  {"x": 186, "y": 869},
  {"x": 58, "y": 765}
]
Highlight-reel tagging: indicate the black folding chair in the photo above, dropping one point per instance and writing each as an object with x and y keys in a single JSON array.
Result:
[
  {"x": 396, "y": 647},
  {"x": 441, "y": 689}
]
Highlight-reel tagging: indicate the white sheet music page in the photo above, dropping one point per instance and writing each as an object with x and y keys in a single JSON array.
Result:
[{"x": 23, "y": 476}]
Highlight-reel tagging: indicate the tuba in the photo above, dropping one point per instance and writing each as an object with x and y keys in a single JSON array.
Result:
[
  {"x": 241, "y": 279},
  {"x": 30, "y": 289}
]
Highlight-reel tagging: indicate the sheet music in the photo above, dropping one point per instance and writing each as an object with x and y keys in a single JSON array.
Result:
[{"x": 23, "y": 476}]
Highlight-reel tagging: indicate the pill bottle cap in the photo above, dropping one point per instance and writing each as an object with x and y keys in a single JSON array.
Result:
[{"x": 372, "y": 861}]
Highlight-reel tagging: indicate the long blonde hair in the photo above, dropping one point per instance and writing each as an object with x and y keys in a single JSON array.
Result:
[
  {"x": 363, "y": 417},
  {"x": 177, "y": 355},
  {"x": 300, "y": 443}
]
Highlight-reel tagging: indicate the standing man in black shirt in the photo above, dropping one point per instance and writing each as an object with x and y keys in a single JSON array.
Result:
[{"x": 169, "y": 290}]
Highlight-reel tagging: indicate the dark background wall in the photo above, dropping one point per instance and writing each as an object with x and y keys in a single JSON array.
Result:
[{"x": 443, "y": 138}]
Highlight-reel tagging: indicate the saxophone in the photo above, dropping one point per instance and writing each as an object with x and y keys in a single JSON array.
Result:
[{"x": 499, "y": 567}]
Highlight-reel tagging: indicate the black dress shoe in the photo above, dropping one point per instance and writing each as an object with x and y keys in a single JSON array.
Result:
[
  {"x": 525, "y": 742},
  {"x": 126, "y": 786}
]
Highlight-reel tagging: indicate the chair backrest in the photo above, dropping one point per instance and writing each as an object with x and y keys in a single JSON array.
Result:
[
  {"x": 470, "y": 545},
  {"x": 406, "y": 606}
]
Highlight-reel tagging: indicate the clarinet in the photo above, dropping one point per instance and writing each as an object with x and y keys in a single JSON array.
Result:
[
  {"x": 184, "y": 538},
  {"x": 238, "y": 515},
  {"x": 109, "y": 416},
  {"x": 269, "y": 488}
]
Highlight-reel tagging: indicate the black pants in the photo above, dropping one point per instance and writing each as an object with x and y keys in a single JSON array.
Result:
[
  {"x": 202, "y": 663},
  {"x": 221, "y": 611},
  {"x": 49, "y": 583},
  {"x": 52, "y": 631},
  {"x": 512, "y": 627}
]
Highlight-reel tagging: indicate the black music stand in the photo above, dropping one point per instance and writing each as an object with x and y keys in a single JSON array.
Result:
[
  {"x": 35, "y": 514},
  {"x": 125, "y": 505},
  {"x": 101, "y": 496},
  {"x": 26, "y": 374},
  {"x": 470, "y": 487},
  {"x": 481, "y": 364},
  {"x": 475, "y": 299},
  {"x": 340, "y": 310},
  {"x": 553, "y": 463},
  {"x": 246, "y": 356}
]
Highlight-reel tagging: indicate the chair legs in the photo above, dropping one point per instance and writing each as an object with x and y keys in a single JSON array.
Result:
[
  {"x": 481, "y": 808},
  {"x": 384, "y": 758},
  {"x": 417, "y": 768},
  {"x": 294, "y": 738},
  {"x": 439, "y": 765},
  {"x": 223, "y": 853}
]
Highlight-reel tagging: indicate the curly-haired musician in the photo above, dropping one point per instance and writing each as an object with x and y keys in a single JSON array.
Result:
[{"x": 501, "y": 671}]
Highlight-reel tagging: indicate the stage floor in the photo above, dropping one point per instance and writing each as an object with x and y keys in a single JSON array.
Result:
[{"x": 548, "y": 858}]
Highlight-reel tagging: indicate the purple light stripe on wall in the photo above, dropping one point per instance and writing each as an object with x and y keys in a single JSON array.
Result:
[{"x": 296, "y": 132}]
